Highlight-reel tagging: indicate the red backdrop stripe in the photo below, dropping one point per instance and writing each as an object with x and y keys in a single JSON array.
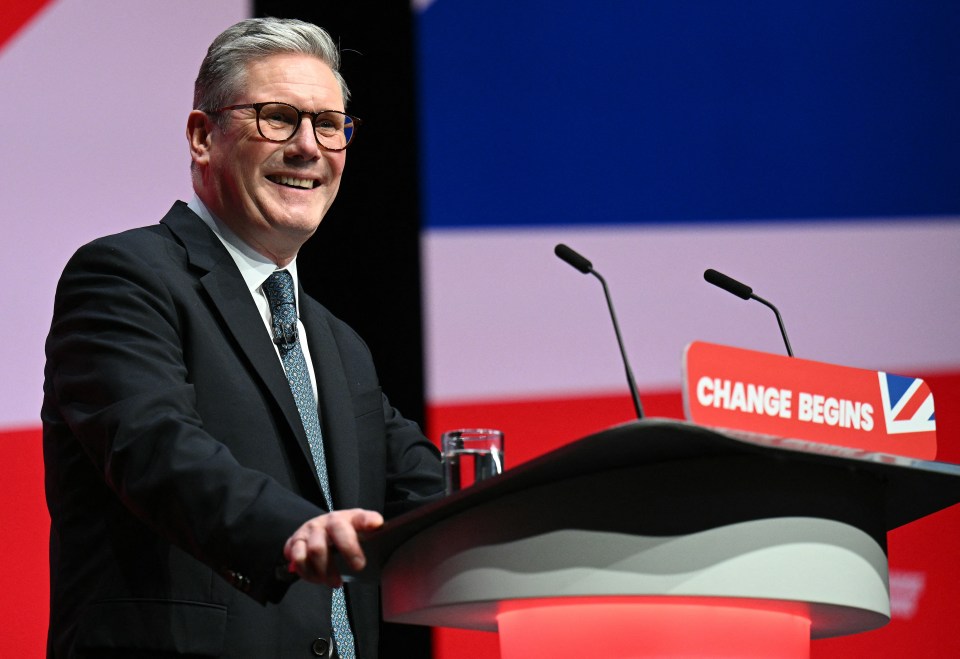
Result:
[{"x": 17, "y": 14}]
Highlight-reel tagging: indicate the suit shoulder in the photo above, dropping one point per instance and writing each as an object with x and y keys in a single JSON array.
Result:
[
  {"x": 144, "y": 238},
  {"x": 135, "y": 253},
  {"x": 148, "y": 245},
  {"x": 140, "y": 238}
]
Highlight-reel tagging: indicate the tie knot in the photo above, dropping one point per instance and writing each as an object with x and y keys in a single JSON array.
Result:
[
  {"x": 283, "y": 305},
  {"x": 279, "y": 290}
]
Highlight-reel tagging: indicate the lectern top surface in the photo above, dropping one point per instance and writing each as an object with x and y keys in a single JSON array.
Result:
[{"x": 908, "y": 488}]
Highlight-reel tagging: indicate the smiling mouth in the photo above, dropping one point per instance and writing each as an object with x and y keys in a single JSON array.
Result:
[{"x": 291, "y": 182}]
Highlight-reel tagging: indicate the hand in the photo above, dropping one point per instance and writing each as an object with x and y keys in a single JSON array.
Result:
[{"x": 309, "y": 551}]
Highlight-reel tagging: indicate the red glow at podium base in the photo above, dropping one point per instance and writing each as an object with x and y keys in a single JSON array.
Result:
[{"x": 663, "y": 627}]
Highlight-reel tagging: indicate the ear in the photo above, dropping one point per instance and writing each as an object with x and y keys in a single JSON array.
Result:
[{"x": 199, "y": 135}]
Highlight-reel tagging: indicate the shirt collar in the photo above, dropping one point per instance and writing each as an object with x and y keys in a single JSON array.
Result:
[{"x": 253, "y": 266}]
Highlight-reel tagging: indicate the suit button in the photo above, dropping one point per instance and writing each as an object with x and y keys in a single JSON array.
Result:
[{"x": 321, "y": 647}]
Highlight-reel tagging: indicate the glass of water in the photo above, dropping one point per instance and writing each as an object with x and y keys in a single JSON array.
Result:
[{"x": 470, "y": 455}]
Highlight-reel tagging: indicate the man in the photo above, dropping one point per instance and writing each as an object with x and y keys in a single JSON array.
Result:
[{"x": 195, "y": 495}]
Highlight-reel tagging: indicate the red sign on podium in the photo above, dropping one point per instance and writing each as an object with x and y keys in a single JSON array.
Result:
[{"x": 767, "y": 394}]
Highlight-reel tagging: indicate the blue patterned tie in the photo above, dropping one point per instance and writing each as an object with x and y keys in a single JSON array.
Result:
[{"x": 279, "y": 291}]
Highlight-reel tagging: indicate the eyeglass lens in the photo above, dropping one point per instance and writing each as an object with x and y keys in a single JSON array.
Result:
[{"x": 279, "y": 121}]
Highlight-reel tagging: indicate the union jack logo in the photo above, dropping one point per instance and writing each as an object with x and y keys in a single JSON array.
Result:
[{"x": 907, "y": 404}]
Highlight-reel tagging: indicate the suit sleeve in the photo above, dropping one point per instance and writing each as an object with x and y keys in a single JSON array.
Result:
[
  {"x": 413, "y": 467},
  {"x": 116, "y": 382}
]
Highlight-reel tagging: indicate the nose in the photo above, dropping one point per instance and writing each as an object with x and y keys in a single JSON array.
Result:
[{"x": 303, "y": 145}]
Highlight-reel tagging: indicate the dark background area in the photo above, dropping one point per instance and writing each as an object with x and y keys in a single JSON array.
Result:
[{"x": 364, "y": 261}]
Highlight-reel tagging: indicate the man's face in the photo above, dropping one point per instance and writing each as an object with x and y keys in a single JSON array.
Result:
[{"x": 274, "y": 195}]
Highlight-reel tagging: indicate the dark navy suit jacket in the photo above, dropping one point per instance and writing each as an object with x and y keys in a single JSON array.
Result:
[{"x": 177, "y": 465}]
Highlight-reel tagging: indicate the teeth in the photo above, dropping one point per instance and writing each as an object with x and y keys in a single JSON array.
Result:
[{"x": 305, "y": 183}]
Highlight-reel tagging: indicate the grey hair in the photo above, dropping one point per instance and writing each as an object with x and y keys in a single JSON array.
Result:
[{"x": 223, "y": 70}]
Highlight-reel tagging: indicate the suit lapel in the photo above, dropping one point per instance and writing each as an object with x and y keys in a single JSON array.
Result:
[
  {"x": 229, "y": 293},
  {"x": 336, "y": 405}
]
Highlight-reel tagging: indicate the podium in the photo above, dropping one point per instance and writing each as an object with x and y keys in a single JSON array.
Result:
[{"x": 662, "y": 538}]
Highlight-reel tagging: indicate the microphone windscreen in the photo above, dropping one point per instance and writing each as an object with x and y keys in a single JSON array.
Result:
[
  {"x": 728, "y": 284},
  {"x": 574, "y": 259}
]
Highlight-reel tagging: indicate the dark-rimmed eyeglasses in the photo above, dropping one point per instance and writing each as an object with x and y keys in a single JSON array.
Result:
[{"x": 279, "y": 122}]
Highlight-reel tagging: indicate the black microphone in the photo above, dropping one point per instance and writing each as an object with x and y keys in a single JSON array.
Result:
[
  {"x": 574, "y": 259},
  {"x": 584, "y": 266},
  {"x": 743, "y": 291}
]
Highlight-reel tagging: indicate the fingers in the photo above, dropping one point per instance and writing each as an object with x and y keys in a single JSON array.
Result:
[{"x": 310, "y": 550}]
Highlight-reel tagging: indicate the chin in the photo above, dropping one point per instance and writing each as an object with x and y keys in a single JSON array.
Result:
[{"x": 302, "y": 227}]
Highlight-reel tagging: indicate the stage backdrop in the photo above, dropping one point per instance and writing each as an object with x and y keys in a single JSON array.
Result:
[{"x": 810, "y": 149}]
